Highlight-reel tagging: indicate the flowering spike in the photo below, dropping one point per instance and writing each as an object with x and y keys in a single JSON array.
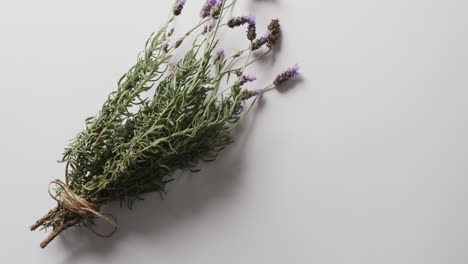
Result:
[
  {"x": 178, "y": 7},
  {"x": 213, "y": 24},
  {"x": 287, "y": 75},
  {"x": 206, "y": 9},
  {"x": 258, "y": 43},
  {"x": 165, "y": 45},
  {"x": 178, "y": 42},
  {"x": 249, "y": 19},
  {"x": 238, "y": 21},
  {"x": 251, "y": 29},
  {"x": 259, "y": 91},
  {"x": 246, "y": 94},
  {"x": 245, "y": 78},
  {"x": 219, "y": 55},
  {"x": 216, "y": 11},
  {"x": 170, "y": 32}
]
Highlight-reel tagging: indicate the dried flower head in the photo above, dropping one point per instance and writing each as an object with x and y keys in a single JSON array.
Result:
[
  {"x": 177, "y": 9},
  {"x": 274, "y": 28},
  {"x": 287, "y": 75}
]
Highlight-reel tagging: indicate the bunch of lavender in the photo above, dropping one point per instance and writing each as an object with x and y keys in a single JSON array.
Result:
[{"x": 136, "y": 142}]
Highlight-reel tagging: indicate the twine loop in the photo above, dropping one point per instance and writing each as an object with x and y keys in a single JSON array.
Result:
[{"x": 81, "y": 207}]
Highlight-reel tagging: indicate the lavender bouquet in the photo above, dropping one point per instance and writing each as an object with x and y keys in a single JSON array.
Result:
[{"x": 165, "y": 115}]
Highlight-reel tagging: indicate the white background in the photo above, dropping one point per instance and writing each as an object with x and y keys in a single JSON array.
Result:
[{"x": 361, "y": 160}]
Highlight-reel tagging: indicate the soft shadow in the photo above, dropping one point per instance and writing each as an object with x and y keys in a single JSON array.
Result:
[
  {"x": 256, "y": 5},
  {"x": 271, "y": 1},
  {"x": 154, "y": 218},
  {"x": 287, "y": 86}
]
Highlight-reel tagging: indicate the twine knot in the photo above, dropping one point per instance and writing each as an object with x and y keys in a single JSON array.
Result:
[{"x": 81, "y": 207}]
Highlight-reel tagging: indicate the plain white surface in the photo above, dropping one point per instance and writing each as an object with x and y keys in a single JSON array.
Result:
[{"x": 363, "y": 160}]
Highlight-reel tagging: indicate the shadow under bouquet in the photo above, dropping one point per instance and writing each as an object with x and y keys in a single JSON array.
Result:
[{"x": 165, "y": 115}]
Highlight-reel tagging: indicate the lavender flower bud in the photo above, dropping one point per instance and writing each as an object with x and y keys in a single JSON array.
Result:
[
  {"x": 206, "y": 9},
  {"x": 246, "y": 94},
  {"x": 236, "y": 54},
  {"x": 287, "y": 75},
  {"x": 172, "y": 67},
  {"x": 219, "y": 55},
  {"x": 258, "y": 43},
  {"x": 170, "y": 32},
  {"x": 234, "y": 22},
  {"x": 213, "y": 24},
  {"x": 217, "y": 10},
  {"x": 245, "y": 78},
  {"x": 251, "y": 32},
  {"x": 249, "y": 19},
  {"x": 238, "y": 21},
  {"x": 178, "y": 42},
  {"x": 165, "y": 45},
  {"x": 274, "y": 27},
  {"x": 178, "y": 7}
]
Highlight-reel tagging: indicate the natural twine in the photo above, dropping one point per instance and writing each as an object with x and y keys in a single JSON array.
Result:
[{"x": 81, "y": 207}]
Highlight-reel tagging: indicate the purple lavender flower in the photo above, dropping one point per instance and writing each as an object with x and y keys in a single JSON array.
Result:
[
  {"x": 249, "y": 19},
  {"x": 249, "y": 78},
  {"x": 219, "y": 55},
  {"x": 287, "y": 75},
  {"x": 216, "y": 11},
  {"x": 178, "y": 7},
  {"x": 213, "y": 24},
  {"x": 245, "y": 78},
  {"x": 251, "y": 32},
  {"x": 165, "y": 45},
  {"x": 206, "y": 9},
  {"x": 172, "y": 67},
  {"x": 251, "y": 29},
  {"x": 178, "y": 42},
  {"x": 246, "y": 94},
  {"x": 260, "y": 42},
  {"x": 170, "y": 32},
  {"x": 238, "y": 21}
]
